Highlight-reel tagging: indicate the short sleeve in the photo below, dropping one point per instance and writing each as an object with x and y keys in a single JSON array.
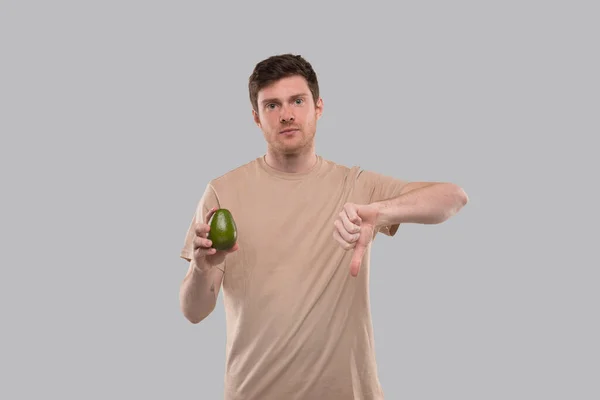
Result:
[
  {"x": 207, "y": 201},
  {"x": 377, "y": 187}
]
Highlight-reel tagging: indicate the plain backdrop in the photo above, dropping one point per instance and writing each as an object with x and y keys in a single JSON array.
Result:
[{"x": 114, "y": 115}]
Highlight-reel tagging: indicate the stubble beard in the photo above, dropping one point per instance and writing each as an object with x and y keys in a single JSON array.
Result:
[{"x": 301, "y": 145}]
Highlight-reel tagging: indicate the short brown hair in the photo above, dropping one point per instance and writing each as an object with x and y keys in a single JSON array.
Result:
[{"x": 277, "y": 67}]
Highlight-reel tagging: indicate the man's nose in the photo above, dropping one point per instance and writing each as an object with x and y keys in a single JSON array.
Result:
[{"x": 286, "y": 115}]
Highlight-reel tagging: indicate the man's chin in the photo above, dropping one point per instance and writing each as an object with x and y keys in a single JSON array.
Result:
[
  {"x": 291, "y": 146},
  {"x": 290, "y": 150}
]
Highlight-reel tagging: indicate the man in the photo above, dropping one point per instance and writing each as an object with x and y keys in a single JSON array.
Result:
[{"x": 295, "y": 284}]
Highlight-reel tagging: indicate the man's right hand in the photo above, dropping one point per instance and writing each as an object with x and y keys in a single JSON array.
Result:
[{"x": 204, "y": 254}]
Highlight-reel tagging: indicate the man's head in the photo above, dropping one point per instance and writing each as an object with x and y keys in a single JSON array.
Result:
[{"x": 284, "y": 93}]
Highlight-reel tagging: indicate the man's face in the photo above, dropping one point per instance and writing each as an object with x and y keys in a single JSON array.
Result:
[{"x": 287, "y": 115}]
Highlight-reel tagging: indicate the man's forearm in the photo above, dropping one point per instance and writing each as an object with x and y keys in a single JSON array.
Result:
[
  {"x": 432, "y": 204},
  {"x": 198, "y": 292}
]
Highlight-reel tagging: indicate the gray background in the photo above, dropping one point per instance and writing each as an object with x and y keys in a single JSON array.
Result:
[{"x": 114, "y": 115}]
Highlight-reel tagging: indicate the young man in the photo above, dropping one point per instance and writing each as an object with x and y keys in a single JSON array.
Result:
[{"x": 295, "y": 285}]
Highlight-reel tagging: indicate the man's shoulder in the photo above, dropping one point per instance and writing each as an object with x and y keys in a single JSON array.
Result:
[
  {"x": 236, "y": 174},
  {"x": 356, "y": 169},
  {"x": 343, "y": 168}
]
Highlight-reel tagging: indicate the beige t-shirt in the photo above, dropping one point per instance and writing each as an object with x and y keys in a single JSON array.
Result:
[{"x": 298, "y": 324}]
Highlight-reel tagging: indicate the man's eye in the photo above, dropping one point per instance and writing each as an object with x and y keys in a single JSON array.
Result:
[{"x": 299, "y": 101}]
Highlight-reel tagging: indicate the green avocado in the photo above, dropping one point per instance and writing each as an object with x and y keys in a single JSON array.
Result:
[{"x": 223, "y": 231}]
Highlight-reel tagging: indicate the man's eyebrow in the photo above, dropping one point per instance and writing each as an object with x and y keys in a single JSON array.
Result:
[{"x": 275, "y": 100}]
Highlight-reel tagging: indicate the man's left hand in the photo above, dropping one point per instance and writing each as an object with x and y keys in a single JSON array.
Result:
[{"x": 354, "y": 229}]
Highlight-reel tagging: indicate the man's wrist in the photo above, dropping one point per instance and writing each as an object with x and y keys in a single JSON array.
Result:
[
  {"x": 390, "y": 212},
  {"x": 201, "y": 267}
]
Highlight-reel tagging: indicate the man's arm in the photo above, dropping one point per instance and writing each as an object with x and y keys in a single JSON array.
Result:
[
  {"x": 423, "y": 203},
  {"x": 199, "y": 291},
  {"x": 200, "y": 287}
]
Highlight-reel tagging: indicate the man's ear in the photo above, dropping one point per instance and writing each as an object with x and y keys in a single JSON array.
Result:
[
  {"x": 256, "y": 118},
  {"x": 319, "y": 107}
]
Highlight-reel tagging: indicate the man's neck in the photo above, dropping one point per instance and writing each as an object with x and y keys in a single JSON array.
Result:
[{"x": 294, "y": 163}]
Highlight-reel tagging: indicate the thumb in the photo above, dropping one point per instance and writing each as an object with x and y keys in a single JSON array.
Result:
[
  {"x": 210, "y": 214},
  {"x": 359, "y": 252}
]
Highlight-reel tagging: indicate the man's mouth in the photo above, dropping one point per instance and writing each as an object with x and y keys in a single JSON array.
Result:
[{"x": 288, "y": 131}]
